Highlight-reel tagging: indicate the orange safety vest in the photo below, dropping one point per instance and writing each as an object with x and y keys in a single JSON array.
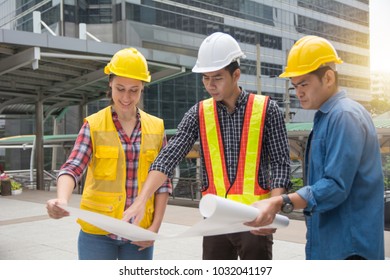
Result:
[{"x": 246, "y": 188}]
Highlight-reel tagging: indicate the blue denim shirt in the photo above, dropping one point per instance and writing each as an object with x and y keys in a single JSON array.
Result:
[{"x": 344, "y": 191}]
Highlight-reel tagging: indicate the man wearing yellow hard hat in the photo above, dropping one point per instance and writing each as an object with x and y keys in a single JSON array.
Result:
[
  {"x": 343, "y": 197},
  {"x": 116, "y": 146}
]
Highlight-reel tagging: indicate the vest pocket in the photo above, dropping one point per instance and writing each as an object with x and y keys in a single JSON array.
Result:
[
  {"x": 106, "y": 204},
  {"x": 106, "y": 162},
  {"x": 146, "y": 159}
]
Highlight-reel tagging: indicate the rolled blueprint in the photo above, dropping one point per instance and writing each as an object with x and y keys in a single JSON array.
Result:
[
  {"x": 221, "y": 216},
  {"x": 226, "y": 216},
  {"x": 229, "y": 211}
]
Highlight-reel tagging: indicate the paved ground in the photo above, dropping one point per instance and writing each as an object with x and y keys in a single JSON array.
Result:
[{"x": 27, "y": 233}]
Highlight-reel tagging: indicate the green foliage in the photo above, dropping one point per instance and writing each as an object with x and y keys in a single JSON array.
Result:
[
  {"x": 379, "y": 106},
  {"x": 387, "y": 184},
  {"x": 15, "y": 185},
  {"x": 386, "y": 171},
  {"x": 297, "y": 184}
]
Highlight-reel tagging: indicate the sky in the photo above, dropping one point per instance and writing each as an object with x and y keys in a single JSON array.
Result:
[{"x": 380, "y": 35}]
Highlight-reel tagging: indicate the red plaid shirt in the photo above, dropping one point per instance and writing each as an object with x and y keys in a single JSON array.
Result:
[{"x": 82, "y": 151}]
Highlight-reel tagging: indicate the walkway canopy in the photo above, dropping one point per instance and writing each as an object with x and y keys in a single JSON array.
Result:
[
  {"x": 59, "y": 71},
  {"x": 41, "y": 75}
]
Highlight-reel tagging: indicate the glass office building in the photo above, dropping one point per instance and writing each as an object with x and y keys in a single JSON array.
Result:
[{"x": 265, "y": 29}]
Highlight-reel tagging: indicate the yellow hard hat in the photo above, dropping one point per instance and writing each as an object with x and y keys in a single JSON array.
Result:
[
  {"x": 308, "y": 54},
  {"x": 129, "y": 63}
]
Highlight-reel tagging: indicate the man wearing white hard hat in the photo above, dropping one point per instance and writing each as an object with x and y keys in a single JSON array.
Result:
[{"x": 244, "y": 147}]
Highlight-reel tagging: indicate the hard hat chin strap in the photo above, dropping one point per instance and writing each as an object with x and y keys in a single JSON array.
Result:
[{"x": 237, "y": 59}]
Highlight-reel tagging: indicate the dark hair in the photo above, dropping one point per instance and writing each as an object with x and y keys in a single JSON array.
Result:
[
  {"x": 233, "y": 66},
  {"x": 109, "y": 91},
  {"x": 320, "y": 72}
]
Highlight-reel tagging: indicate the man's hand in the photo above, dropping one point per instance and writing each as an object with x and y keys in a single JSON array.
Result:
[
  {"x": 263, "y": 231},
  {"x": 268, "y": 208},
  {"x": 135, "y": 212}
]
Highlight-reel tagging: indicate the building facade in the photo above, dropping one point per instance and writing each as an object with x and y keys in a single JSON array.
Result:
[
  {"x": 380, "y": 85},
  {"x": 170, "y": 32},
  {"x": 265, "y": 29}
]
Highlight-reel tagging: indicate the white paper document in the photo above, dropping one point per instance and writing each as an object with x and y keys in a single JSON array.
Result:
[{"x": 221, "y": 216}]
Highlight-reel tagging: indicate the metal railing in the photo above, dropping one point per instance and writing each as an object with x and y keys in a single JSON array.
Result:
[{"x": 23, "y": 176}]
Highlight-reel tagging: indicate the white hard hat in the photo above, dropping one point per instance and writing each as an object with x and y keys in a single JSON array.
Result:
[{"x": 217, "y": 51}]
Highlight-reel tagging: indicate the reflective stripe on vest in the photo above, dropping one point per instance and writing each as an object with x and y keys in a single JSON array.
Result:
[{"x": 246, "y": 188}]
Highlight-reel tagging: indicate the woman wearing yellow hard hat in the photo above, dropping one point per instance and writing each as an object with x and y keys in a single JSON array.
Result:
[
  {"x": 343, "y": 198},
  {"x": 116, "y": 146}
]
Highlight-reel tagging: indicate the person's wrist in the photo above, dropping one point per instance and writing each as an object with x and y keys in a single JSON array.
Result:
[{"x": 287, "y": 205}]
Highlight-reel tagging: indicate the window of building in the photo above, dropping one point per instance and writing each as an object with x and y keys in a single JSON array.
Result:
[
  {"x": 337, "y": 9},
  {"x": 171, "y": 99},
  {"x": 332, "y": 32},
  {"x": 199, "y": 25},
  {"x": 354, "y": 82}
]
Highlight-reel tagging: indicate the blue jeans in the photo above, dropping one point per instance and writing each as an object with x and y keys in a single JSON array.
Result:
[{"x": 102, "y": 247}]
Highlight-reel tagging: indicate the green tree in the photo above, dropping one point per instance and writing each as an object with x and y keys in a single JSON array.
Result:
[{"x": 378, "y": 106}]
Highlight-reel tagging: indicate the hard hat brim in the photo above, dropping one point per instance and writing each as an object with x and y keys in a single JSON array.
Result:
[
  {"x": 197, "y": 69},
  {"x": 288, "y": 74}
]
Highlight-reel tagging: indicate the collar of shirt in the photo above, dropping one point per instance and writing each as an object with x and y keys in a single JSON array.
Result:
[
  {"x": 115, "y": 114},
  {"x": 328, "y": 105},
  {"x": 241, "y": 101}
]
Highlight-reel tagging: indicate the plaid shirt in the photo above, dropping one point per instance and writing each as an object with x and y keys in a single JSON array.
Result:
[
  {"x": 274, "y": 171},
  {"x": 82, "y": 151}
]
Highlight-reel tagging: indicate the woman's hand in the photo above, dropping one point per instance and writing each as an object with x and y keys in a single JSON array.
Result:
[
  {"x": 145, "y": 244},
  {"x": 54, "y": 210}
]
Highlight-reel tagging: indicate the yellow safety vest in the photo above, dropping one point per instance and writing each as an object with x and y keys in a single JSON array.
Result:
[
  {"x": 246, "y": 188},
  {"x": 105, "y": 186}
]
